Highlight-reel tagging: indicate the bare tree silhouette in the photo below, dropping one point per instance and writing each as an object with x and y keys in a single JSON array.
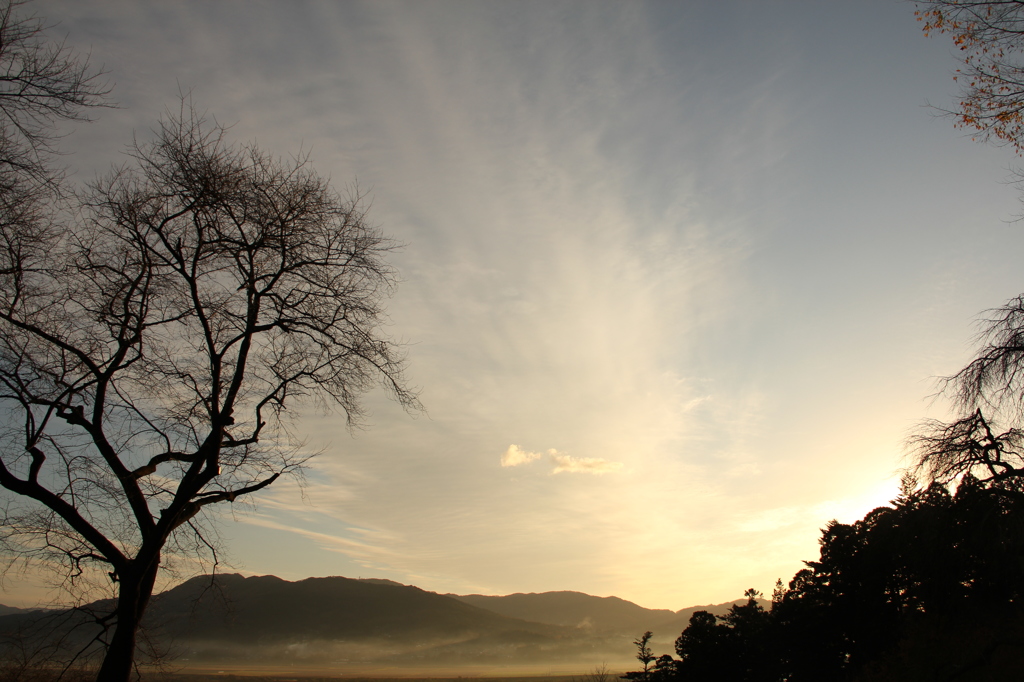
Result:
[{"x": 149, "y": 352}]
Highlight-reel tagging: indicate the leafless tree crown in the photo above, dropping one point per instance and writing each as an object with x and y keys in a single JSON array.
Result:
[
  {"x": 41, "y": 84},
  {"x": 151, "y": 348},
  {"x": 152, "y": 339},
  {"x": 987, "y": 392}
]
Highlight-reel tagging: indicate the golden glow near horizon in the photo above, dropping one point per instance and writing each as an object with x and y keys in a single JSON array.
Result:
[{"x": 676, "y": 276}]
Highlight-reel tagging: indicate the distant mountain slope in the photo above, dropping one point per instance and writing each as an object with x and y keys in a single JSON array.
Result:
[
  {"x": 235, "y": 608},
  {"x": 339, "y": 622},
  {"x": 574, "y": 609},
  {"x": 324, "y": 621},
  {"x": 609, "y": 615},
  {"x": 7, "y": 610}
]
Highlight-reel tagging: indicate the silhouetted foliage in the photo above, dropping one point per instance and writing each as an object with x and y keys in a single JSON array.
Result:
[
  {"x": 737, "y": 648},
  {"x": 931, "y": 587},
  {"x": 928, "y": 588},
  {"x": 645, "y": 656},
  {"x": 703, "y": 647}
]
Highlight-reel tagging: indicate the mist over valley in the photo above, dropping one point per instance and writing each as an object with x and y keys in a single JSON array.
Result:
[{"x": 371, "y": 627}]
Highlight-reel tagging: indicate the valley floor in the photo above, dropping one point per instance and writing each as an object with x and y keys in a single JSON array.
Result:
[{"x": 282, "y": 675}]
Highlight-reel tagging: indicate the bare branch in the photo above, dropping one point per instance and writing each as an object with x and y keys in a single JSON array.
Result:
[{"x": 207, "y": 290}]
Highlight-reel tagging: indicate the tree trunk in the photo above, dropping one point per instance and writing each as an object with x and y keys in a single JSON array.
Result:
[{"x": 135, "y": 589}]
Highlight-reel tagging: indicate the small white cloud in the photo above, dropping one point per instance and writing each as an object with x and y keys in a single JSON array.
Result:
[
  {"x": 586, "y": 465},
  {"x": 514, "y": 456}
]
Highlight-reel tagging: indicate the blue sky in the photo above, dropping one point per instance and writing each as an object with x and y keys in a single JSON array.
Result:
[{"x": 699, "y": 262}]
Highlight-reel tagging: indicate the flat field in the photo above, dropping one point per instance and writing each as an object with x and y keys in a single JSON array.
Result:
[{"x": 312, "y": 676}]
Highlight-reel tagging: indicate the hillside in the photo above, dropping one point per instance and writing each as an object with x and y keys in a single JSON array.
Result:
[
  {"x": 8, "y": 610},
  {"x": 343, "y": 622},
  {"x": 574, "y": 609},
  {"x": 610, "y": 615},
  {"x": 232, "y": 607},
  {"x": 334, "y": 621}
]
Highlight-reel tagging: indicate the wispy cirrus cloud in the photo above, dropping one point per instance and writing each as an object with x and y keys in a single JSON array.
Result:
[
  {"x": 516, "y": 456},
  {"x": 621, "y": 269}
]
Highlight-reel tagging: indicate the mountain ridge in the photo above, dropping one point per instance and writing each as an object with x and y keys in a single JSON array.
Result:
[
  {"x": 572, "y": 609},
  {"x": 338, "y": 621}
]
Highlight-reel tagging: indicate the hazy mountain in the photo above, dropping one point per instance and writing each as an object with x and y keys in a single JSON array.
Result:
[
  {"x": 574, "y": 609},
  {"x": 6, "y": 610},
  {"x": 328, "y": 622},
  {"x": 233, "y": 607},
  {"x": 343, "y": 622},
  {"x": 381, "y": 581},
  {"x": 610, "y": 615},
  {"x": 13, "y": 610}
]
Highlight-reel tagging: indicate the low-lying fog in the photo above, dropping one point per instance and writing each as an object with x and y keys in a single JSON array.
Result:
[{"x": 474, "y": 656}]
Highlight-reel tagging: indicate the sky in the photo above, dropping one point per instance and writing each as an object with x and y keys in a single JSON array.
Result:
[{"x": 677, "y": 277}]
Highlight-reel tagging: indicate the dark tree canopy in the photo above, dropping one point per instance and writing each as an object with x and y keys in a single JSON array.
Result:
[{"x": 931, "y": 587}]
